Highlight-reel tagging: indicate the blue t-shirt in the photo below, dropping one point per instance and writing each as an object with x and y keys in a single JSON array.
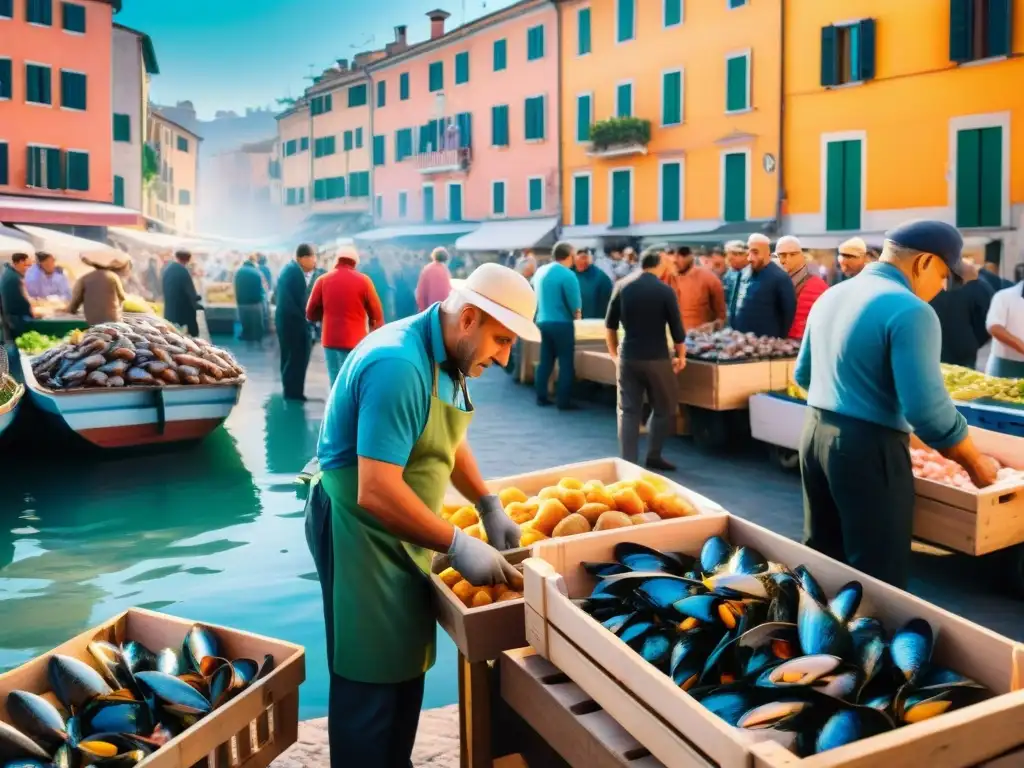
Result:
[
  {"x": 378, "y": 407},
  {"x": 558, "y": 294},
  {"x": 871, "y": 352}
]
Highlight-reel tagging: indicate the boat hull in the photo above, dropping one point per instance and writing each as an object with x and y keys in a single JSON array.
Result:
[{"x": 9, "y": 410}]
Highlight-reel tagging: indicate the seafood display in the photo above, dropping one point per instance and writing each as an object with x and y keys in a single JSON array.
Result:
[
  {"x": 478, "y": 597},
  {"x": 124, "y": 706},
  {"x": 966, "y": 384},
  {"x": 141, "y": 351},
  {"x": 728, "y": 345},
  {"x": 929, "y": 464},
  {"x": 573, "y": 506},
  {"x": 765, "y": 649}
]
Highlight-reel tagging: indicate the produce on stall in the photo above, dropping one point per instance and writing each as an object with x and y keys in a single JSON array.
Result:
[
  {"x": 965, "y": 384},
  {"x": 478, "y": 597},
  {"x": 34, "y": 343},
  {"x": 135, "y": 303},
  {"x": 929, "y": 464},
  {"x": 728, "y": 345},
  {"x": 220, "y": 293}
]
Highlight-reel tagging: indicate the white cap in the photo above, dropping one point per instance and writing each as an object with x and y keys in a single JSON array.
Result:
[
  {"x": 348, "y": 252},
  {"x": 757, "y": 237},
  {"x": 855, "y": 246},
  {"x": 792, "y": 241},
  {"x": 506, "y": 296},
  {"x": 735, "y": 246}
]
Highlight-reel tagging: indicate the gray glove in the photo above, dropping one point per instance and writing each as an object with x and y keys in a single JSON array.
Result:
[
  {"x": 479, "y": 563},
  {"x": 502, "y": 533}
]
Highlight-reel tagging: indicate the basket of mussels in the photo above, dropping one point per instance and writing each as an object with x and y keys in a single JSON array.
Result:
[{"x": 149, "y": 688}]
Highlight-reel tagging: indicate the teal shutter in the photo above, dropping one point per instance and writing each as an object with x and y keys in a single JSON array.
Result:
[
  {"x": 378, "y": 150},
  {"x": 122, "y": 127},
  {"x": 378, "y": 206},
  {"x": 673, "y": 12},
  {"x": 581, "y": 201},
  {"x": 455, "y": 202},
  {"x": 866, "y": 50},
  {"x": 78, "y": 171},
  {"x": 672, "y": 98},
  {"x": 624, "y": 100},
  {"x": 382, "y": 93},
  {"x": 737, "y": 3},
  {"x": 347, "y": 141},
  {"x": 851, "y": 184},
  {"x": 621, "y": 203},
  {"x": 428, "y": 203},
  {"x": 498, "y": 198},
  {"x": 735, "y": 187},
  {"x": 55, "y": 176},
  {"x": 37, "y": 84},
  {"x": 1000, "y": 27},
  {"x": 118, "y": 190},
  {"x": 462, "y": 67},
  {"x": 536, "y": 195},
  {"x": 535, "y": 43},
  {"x": 829, "y": 56},
  {"x": 500, "y": 55},
  {"x": 990, "y": 205},
  {"x": 403, "y": 86},
  {"x": 843, "y": 185},
  {"x": 72, "y": 90},
  {"x": 183, "y": 144},
  {"x": 436, "y": 76},
  {"x": 6, "y": 73},
  {"x": 319, "y": 189},
  {"x": 968, "y": 179},
  {"x": 736, "y": 84},
  {"x": 535, "y": 118},
  {"x": 499, "y": 126},
  {"x": 961, "y": 30},
  {"x": 359, "y": 140},
  {"x": 357, "y": 95},
  {"x": 5, "y": 164},
  {"x": 671, "y": 187},
  {"x": 403, "y": 204},
  {"x": 7, "y": 9},
  {"x": 184, "y": 197},
  {"x": 33, "y": 167},
  {"x": 583, "y": 117},
  {"x": 303, "y": 144},
  {"x": 583, "y": 31},
  {"x": 73, "y": 17},
  {"x": 39, "y": 12},
  {"x": 626, "y": 20},
  {"x": 329, "y": 102}
]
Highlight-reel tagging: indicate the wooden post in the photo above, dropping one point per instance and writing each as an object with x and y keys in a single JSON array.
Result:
[{"x": 474, "y": 714}]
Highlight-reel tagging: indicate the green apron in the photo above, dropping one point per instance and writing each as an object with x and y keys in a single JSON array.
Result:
[{"x": 384, "y": 620}]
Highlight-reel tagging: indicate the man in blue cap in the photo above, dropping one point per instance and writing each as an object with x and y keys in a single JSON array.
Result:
[{"x": 870, "y": 363}]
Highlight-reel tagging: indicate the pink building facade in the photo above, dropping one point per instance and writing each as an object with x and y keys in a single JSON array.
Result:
[{"x": 465, "y": 124}]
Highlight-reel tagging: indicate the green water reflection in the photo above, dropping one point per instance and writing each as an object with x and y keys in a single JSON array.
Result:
[{"x": 213, "y": 532}]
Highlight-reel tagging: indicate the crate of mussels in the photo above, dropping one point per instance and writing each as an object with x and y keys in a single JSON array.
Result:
[
  {"x": 716, "y": 642},
  {"x": 149, "y": 688}
]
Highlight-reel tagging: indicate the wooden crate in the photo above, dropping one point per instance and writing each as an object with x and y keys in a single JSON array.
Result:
[
  {"x": 597, "y": 366},
  {"x": 777, "y": 421},
  {"x": 680, "y": 732},
  {"x": 728, "y": 386},
  {"x": 249, "y": 731},
  {"x": 589, "y": 335}
]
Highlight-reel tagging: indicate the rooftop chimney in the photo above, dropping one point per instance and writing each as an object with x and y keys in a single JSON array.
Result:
[
  {"x": 400, "y": 31},
  {"x": 437, "y": 19}
]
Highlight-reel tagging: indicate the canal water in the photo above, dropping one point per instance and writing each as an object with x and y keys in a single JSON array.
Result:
[{"x": 212, "y": 532}]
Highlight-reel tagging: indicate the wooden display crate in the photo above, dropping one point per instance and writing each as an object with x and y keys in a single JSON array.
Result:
[
  {"x": 597, "y": 366},
  {"x": 481, "y": 634},
  {"x": 249, "y": 731},
  {"x": 728, "y": 386},
  {"x": 589, "y": 335},
  {"x": 680, "y": 732}
]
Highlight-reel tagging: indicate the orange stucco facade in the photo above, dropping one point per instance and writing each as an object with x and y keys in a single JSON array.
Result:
[{"x": 55, "y": 126}]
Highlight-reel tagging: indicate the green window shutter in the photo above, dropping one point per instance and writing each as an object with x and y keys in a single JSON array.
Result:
[
  {"x": 382, "y": 93},
  {"x": 78, "y": 171},
  {"x": 289, "y": 196},
  {"x": 315, "y": 107},
  {"x": 961, "y": 30},
  {"x": 865, "y": 50},
  {"x": 5, "y": 163},
  {"x": 319, "y": 189},
  {"x": 403, "y": 204},
  {"x": 428, "y": 203},
  {"x": 73, "y": 17},
  {"x": 968, "y": 179},
  {"x": 378, "y": 206},
  {"x": 584, "y": 117},
  {"x": 184, "y": 197},
  {"x": 851, "y": 184},
  {"x": 829, "y": 56},
  {"x": 1000, "y": 27},
  {"x": 990, "y": 205},
  {"x": 735, "y": 187},
  {"x": 462, "y": 67},
  {"x": 39, "y": 12},
  {"x": 183, "y": 144},
  {"x": 436, "y": 76},
  {"x": 626, "y": 20},
  {"x": 536, "y": 194},
  {"x": 329, "y": 102},
  {"x": 535, "y": 43},
  {"x": 673, "y": 14},
  {"x": 7, "y": 9},
  {"x": 464, "y": 120},
  {"x": 621, "y": 202},
  {"x": 737, "y": 3},
  {"x": 359, "y": 140},
  {"x": 378, "y": 150},
  {"x": 56, "y": 178},
  {"x": 118, "y": 190},
  {"x": 347, "y": 139},
  {"x": 72, "y": 90},
  {"x": 500, "y": 55},
  {"x": 671, "y": 189},
  {"x": 672, "y": 98},
  {"x": 455, "y": 202},
  {"x": 581, "y": 201},
  {"x": 498, "y": 198},
  {"x": 736, "y": 84},
  {"x": 403, "y": 86},
  {"x": 304, "y": 144},
  {"x": 357, "y": 95},
  {"x": 6, "y": 73},
  {"x": 33, "y": 166},
  {"x": 499, "y": 126},
  {"x": 583, "y": 31},
  {"x": 843, "y": 185},
  {"x": 624, "y": 100},
  {"x": 122, "y": 127}
]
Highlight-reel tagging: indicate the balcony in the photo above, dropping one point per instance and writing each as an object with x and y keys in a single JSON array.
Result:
[
  {"x": 619, "y": 137},
  {"x": 444, "y": 161}
]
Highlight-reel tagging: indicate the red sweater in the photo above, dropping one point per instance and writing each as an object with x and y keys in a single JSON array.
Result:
[
  {"x": 346, "y": 302},
  {"x": 809, "y": 292}
]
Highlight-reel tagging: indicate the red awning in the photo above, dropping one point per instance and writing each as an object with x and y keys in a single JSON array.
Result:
[{"x": 16, "y": 209}]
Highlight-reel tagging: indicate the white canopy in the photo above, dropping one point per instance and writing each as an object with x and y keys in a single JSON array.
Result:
[
  {"x": 69, "y": 249},
  {"x": 143, "y": 239},
  {"x": 414, "y": 230},
  {"x": 508, "y": 235},
  {"x": 13, "y": 241}
]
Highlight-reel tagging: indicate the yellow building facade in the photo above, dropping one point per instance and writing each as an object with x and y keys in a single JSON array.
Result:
[
  {"x": 707, "y": 76},
  {"x": 900, "y": 110},
  {"x": 170, "y": 197}
]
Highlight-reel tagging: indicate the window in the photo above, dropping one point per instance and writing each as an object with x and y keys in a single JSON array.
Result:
[
  {"x": 382, "y": 93},
  {"x": 321, "y": 104},
  {"x": 672, "y": 13},
  {"x": 378, "y": 206},
  {"x": 582, "y": 31},
  {"x": 403, "y": 86},
  {"x": 497, "y": 198},
  {"x": 347, "y": 139},
  {"x": 535, "y": 194},
  {"x": 72, "y": 90},
  {"x": 535, "y": 118},
  {"x": 122, "y": 127},
  {"x": 403, "y": 204},
  {"x": 359, "y": 138},
  {"x": 848, "y": 53},
  {"x": 535, "y": 43},
  {"x": 734, "y": 186},
  {"x": 454, "y": 201},
  {"x": 118, "y": 190},
  {"x": 6, "y": 75},
  {"x": 436, "y": 76},
  {"x": 73, "y": 16},
  {"x": 378, "y": 150},
  {"x": 39, "y": 12},
  {"x": 5, "y": 164},
  {"x": 291, "y": 147},
  {"x": 499, "y": 126},
  {"x": 581, "y": 199},
  {"x": 621, "y": 186},
  {"x": 671, "y": 190},
  {"x": 44, "y": 169},
  {"x": 303, "y": 144},
  {"x": 328, "y": 189},
  {"x": 428, "y": 203},
  {"x": 979, "y": 29},
  {"x": 359, "y": 184},
  {"x": 737, "y": 82},
  {"x": 37, "y": 84},
  {"x": 584, "y": 116},
  {"x": 357, "y": 95},
  {"x": 625, "y": 20},
  {"x": 737, "y": 3},
  {"x": 403, "y": 144},
  {"x": 500, "y": 55},
  {"x": 77, "y": 171},
  {"x": 842, "y": 184},
  {"x": 295, "y": 196},
  {"x": 979, "y": 177},
  {"x": 624, "y": 100},
  {"x": 323, "y": 146},
  {"x": 672, "y": 98},
  {"x": 462, "y": 67},
  {"x": 184, "y": 197},
  {"x": 183, "y": 144},
  {"x": 6, "y": 9}
]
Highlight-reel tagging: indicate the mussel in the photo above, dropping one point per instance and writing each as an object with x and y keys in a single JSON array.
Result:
[
  {"x": 116, "y": 714},
  {"x": 911, "y": 649},
  {"x": 112, "y": 664},
  {"x": 175, "y": 695},
  {"x": 74, "y": 682},
  {"x": 171, "y": 661},
  {"x": 138, "y": 657},
  {"x": 37, "y": 718},
  {"x": 15, "y": 745}
]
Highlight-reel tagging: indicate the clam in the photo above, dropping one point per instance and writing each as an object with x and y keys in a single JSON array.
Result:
[
  {"x": 266, "y": 667},
  {"x": 662, "y": 593},
  {"x": 74, "y": 682},
  {"x": 773, "y": 714},
  {"x": 246, "y": 670},
  {"x": 37, "y": 718}
]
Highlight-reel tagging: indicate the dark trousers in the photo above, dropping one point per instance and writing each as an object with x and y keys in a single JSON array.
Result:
[
  {"x": 655, "y": 379},
  {"x": 557, "y": 342},
  {"x": 250, "y": 317},
  {"x": 296, "y": 345},
  {"x": 371, "y": 725},
  {"x": 858, "y": 494},
  {"x": 189, "y": 322}
]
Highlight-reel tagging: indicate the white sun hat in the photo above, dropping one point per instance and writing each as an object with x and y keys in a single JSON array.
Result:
[
  {"x": 347, "y": 252},
  {"x": 505, "y": 295}
]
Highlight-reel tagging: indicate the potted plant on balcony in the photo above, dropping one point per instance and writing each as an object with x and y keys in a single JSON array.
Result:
[{"x": 620, "y": 136}]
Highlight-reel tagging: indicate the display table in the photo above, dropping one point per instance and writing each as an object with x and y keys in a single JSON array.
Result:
[
  {"x": 590, "y": 334},
  {"x": 57, "y": 325}
]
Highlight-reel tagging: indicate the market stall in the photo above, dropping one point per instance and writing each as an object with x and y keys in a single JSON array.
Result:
[{"x": 590, "y": 335}]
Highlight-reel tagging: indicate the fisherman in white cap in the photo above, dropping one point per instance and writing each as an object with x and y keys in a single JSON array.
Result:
[
  {"x": 392, "y": 440},
  {"x": 765, "y": 299},
  {"x": 853, "y": 257}
]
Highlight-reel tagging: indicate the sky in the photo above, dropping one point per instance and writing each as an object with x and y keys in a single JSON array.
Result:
[{"x": 233, "y": 54}]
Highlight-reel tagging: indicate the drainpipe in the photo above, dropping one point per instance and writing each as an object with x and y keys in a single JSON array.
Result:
[
  {"x": 312, "y": 169},
  {"x": 781, "y": 186},
  {"x": 558, "y": 95},
  {"x": 371, "y": 99}
]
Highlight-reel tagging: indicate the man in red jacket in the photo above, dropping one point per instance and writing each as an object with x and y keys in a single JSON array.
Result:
[
  {"x": 347, "y": 304},
  {"x": 808, "y": 285}
]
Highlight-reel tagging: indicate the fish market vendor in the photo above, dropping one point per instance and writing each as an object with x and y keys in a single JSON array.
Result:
[
  {"x": 870, "y": 363},
  {"x": 393, "y": 437}
]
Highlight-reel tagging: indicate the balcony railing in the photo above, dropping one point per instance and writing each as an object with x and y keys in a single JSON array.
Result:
[{"x": 444, "y": 161}]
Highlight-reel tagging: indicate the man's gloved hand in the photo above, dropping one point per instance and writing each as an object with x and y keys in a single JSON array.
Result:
[
  {"x": 479, "y": 563},
  {"x": 502, "y": 533}
]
